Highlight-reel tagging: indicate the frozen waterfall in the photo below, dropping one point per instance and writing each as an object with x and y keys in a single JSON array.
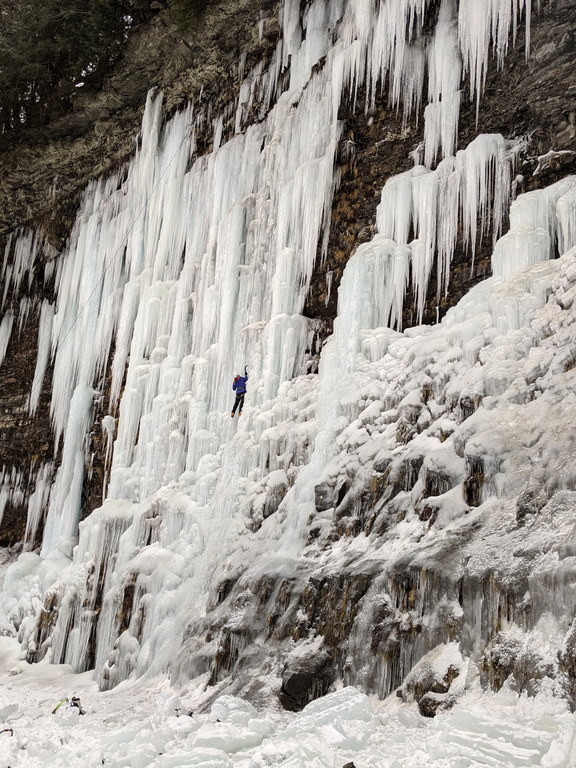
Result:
[{"x": 182, "y": 269}]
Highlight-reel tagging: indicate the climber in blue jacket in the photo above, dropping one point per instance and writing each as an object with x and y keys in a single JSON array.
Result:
[{"x": 239, "y": 386}]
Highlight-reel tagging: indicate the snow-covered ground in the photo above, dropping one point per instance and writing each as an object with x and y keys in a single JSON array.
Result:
[{"x": 146, "y": 724}]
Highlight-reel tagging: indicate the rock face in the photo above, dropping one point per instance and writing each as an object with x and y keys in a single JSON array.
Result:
[
  {"x": 26, "y": 441},
  {"x": 306, "y": 680},
  {"x": 199, "y": 64},
  {"x": 523, "y": 98}
]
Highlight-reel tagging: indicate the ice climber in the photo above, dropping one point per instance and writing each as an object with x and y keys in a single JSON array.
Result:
[{"x": 239, "y": 386}]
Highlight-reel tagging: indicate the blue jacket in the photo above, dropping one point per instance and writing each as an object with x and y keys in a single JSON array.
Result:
[{"x": 239, "y": 384}]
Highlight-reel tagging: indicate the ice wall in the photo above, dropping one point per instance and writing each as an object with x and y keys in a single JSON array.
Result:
[
  {"x": 192, "y": 267},
  {"x": 426, "y": 208}
]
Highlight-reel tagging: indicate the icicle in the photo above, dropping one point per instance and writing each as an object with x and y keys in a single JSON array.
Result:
[
  {"x": 108, "y": 425},
  {"x": 20, "y": 256},
  {"x": 424, "y": 208},
  {"x": 44, "y": 344},
  {"x": 5, "y": 333},
  {"x": 483, "y": 24},
  {"x": 538, "y": 220},
  {"x": 291, "y": 30},
  {"x": 329, "y": 277},
  {"x": 24, "y": 309},
  {"x": 65, "y": 501},
  {"x": 218, "y": 127},
  {"x": 12, "y": 489},
  {"x": 444, "y": 73},
  {"x": 38, "y": 502}
]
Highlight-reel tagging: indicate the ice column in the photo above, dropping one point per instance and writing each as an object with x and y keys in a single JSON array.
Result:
[
  {"x": 61, "y": 526},
  {"x": 483, "y": 23},
  {"x": 538, "y": 220},
  {"x": 5, "y": 333},
  {"x": 444, "y": 75},
  {"x": 44, "y": 348},
  {"x": 20, "y": 255},
  {"x": 38, "y": 501},
  {"x": 12, "y": 488},
  {"x": 248, "y": 218},
  {"x": 422, "y": 209}
]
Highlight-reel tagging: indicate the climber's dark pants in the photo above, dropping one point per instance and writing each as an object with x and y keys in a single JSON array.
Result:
[{"x": 239, "y": 402}]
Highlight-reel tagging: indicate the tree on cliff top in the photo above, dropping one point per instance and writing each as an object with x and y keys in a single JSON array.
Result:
[{"x": 50, "y": 48}]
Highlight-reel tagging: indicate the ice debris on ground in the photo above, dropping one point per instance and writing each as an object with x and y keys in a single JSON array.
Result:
[{"x": 153, "y": 726}]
